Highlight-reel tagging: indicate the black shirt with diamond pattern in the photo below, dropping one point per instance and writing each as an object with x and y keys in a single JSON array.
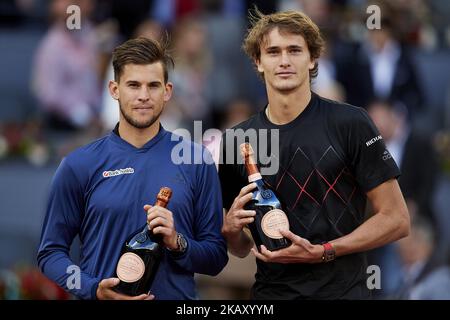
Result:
[{"x": 329, "y": 157}]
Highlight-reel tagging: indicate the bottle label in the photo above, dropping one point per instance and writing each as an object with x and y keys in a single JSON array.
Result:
[
  {"x": 274, "y": 221},
  {"x": 130, "y": 267}
]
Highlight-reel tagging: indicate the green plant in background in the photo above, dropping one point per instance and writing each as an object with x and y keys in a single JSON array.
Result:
[{"x": 28, "y": 283}]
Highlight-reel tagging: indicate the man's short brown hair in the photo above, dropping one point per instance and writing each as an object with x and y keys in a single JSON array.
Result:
[
  {"x": 293, "y": 22},
  {"x": 141, "y": 51}
]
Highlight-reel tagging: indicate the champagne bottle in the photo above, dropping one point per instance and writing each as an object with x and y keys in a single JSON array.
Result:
[
  {"x": 140, "y": 256},
  {"x": 270, "y": 218}
]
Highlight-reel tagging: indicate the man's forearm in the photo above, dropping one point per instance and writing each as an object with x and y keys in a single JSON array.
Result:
[
  {"x": 58, "y": 267},
  {"x": 377, "y": 231},
  {"x": 389, "y": 223}
]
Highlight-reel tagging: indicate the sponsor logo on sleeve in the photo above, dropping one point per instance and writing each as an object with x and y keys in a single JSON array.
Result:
[
  {"x": 386, "y": 155},
  {"x": 373, "y": 140}
]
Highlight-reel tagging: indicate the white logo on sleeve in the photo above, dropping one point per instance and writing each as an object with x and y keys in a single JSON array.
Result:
[
  {"x": 118, "y": 172},
  {"x": 373, "y": 140}
]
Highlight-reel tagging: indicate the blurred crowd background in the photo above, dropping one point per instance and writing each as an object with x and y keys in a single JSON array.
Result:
[{"x": 54, "y": 98}]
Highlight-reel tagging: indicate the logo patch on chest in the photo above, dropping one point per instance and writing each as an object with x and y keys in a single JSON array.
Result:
[{"x": 118, "y": 172}]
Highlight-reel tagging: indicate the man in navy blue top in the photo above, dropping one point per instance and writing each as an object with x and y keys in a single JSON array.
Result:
[{"x": 102, "y": 191}]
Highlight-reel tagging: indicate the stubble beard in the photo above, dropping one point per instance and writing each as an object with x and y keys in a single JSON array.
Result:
[{"x": 139, "y": 125}]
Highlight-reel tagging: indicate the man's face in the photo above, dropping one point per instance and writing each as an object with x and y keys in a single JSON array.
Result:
[
  {"x": 141, "y": 93},
  {"x": 285, "y": 61}
]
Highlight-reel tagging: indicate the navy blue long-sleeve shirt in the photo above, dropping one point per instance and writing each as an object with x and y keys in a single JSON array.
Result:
[{"x": 99, "y": 191}]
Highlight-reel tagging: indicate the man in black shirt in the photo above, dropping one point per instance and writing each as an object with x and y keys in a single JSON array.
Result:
[{"x": 330, "y": 160}]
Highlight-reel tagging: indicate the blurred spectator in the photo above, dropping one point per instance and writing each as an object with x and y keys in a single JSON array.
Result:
[
  {"x": 236, "y": 111},
  {"x": 65, "y": 72},
  {"x": 408, "y": 148},
  {"x": 318, "y": 10},
  {"x": 439, "y": 13},
  {"x": 325, "y": 84},
  {"x": 379, "y": 68},
  {"x": 424, "y": 277},
  {"x": 227, "y": 80},
  {"x": 190, "y": 75},
  {"x": 417, "y": 182},
  {"x": 168, "y": 12},
  {"x": 163, "y": 11},
  {"x": 434, "y": 285}
]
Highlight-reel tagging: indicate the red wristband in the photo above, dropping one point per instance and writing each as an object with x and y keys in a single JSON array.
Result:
[{"x": 329, "y": 254}]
